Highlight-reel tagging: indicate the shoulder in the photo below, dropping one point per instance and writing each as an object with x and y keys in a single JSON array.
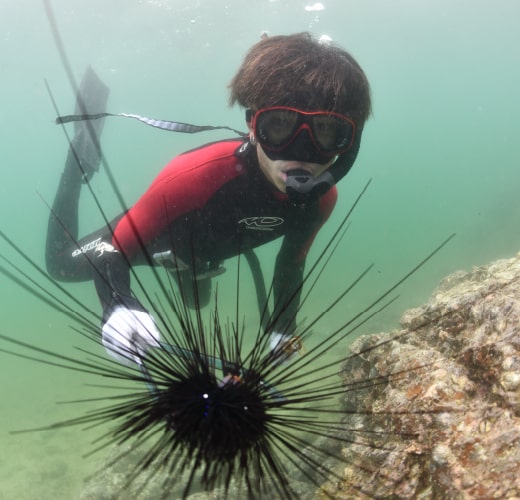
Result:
[
  {"x": 222, "y": 152},
  {"x": 214, "y": 161},
  {"x": 217, "y": 148}
]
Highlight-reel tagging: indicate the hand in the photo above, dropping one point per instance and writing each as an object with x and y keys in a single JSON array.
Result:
[
  {"x": 285, "y": 348},
  {"x": 128, "y": 333}
]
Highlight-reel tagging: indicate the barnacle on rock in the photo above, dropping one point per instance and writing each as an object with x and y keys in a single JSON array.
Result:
[{"x": 461, "y": 410}]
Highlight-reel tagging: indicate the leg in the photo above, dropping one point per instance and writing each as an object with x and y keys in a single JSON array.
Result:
[{"x": 82, "y": 161}]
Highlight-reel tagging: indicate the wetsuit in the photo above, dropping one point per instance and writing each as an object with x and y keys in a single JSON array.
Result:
[{"x": 206, "y": 205}]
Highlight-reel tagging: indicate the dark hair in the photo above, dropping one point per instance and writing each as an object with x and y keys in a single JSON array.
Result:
[{"x": 302, "y": 72}]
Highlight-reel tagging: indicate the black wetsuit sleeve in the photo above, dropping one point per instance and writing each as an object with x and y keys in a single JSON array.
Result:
[
  {"x": 287, "y": 283},
  {"x": 290, "y": 262},
  {"x": 112, "y": 281}
]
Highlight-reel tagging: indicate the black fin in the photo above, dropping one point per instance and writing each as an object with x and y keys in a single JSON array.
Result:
[{"x": 92, "y": 98}]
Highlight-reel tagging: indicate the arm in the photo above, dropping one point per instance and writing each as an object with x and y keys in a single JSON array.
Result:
[
  {"x": 128, "y": 329},
  {"x": 112, "y": 281},
  {"x": 287, "y": 286},
  {"x": 290, "y": 263},
  {"x": 183, "y": 186},
  {"x": 288, "y": 279}
]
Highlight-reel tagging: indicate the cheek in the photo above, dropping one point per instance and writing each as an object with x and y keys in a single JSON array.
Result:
[
  {"x": 326, "y": 166},
  {"x": 268, "y": 168},
  {"x": 263, "y": 160},
  {"x": 323, "y": 168}
]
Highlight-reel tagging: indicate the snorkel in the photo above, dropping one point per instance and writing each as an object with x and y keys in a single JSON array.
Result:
[{"x": 303, "y": 144}]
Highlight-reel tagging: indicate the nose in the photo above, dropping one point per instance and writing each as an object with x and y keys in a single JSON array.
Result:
[{"x": 304, "y": 145}]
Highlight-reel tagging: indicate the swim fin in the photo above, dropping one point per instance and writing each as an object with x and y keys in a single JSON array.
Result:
[{"x": 85, "y": 147}]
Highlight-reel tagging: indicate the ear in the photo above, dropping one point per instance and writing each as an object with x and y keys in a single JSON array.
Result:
[{"x": 249, "y": 120}]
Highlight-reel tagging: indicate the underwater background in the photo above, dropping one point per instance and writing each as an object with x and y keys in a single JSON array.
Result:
[{"x": 441, "y": 148}]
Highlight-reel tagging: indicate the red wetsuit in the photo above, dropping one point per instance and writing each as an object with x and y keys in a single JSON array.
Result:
[{"x": 207, "y": 205}]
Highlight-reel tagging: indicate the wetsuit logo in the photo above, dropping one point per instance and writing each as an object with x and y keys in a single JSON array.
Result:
[
  {"x": 261, "y": 223},
  {"x": 104, "y": 247},
  {"x": 91, "y": 245},
  {"x": 98, "y": 246}
]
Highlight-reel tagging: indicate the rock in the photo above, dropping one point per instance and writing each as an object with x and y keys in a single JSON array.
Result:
[{"x": 434, "y": 408}]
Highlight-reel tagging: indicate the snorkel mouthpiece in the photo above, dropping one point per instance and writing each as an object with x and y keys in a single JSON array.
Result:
[{"x": 303, "y": 188}]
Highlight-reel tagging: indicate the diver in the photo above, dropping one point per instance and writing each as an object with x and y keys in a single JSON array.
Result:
[{"x": 306, "y": 104}]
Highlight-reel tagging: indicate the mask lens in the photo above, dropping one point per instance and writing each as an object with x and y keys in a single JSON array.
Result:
[
  {"x": 332, "y": 133},
  {"x": 275, "y": 127}
]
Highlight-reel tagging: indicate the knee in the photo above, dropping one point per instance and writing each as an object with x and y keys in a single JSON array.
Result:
[
  {"x": 60, "y": 269},
  {"x": 56, "y": 270}
]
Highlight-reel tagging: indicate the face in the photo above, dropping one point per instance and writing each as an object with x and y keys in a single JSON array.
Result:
[
  {"x": 276, "y": 170},
  {"x": 291, "y": 139}
]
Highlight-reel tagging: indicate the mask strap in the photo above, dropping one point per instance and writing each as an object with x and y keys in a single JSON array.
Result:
[{"x": 170, "y": 126}]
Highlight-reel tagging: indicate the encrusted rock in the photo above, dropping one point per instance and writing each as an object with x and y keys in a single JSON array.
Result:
[{"x": 440, "y": 398}]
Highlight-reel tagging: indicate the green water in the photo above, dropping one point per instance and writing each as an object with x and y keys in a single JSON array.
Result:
[{"x": 441, "y": 148}]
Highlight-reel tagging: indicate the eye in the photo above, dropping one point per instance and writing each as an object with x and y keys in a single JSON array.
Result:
[
  {"x": 326, "y": 130},
  {"x": 277, "y": 125},
  {"x": 332, "y": 132},
  {"x": 282, "y": 119}
]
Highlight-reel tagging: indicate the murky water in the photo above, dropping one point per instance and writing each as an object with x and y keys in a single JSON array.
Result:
[{"x": 441, "y": 148}]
